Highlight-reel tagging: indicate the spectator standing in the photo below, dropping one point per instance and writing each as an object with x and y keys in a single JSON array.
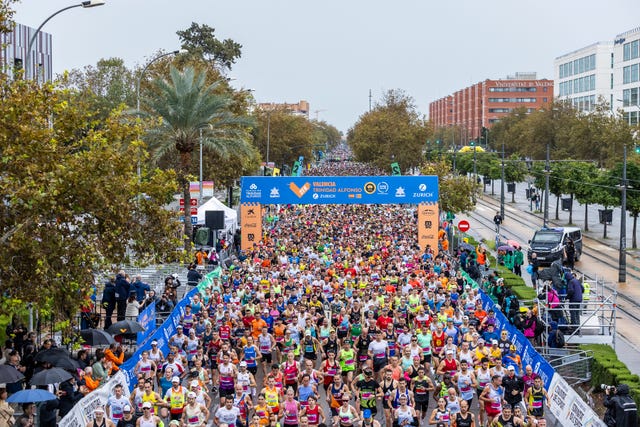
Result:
[
  {"x": 622, "y": 411},
  {"x": 109, "y": 302},
  {"x": 122, "y": 294},
  {"x": 140, "y": 288},
  {"x": 574, "y": 297}
]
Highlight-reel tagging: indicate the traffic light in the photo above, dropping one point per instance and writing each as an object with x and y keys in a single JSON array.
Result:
[
  {"x": 637, "y": 148},
  {"x": 472, "y": 142}
]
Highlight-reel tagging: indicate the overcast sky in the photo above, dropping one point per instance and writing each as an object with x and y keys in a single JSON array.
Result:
[{"x": 332, "y": 52}]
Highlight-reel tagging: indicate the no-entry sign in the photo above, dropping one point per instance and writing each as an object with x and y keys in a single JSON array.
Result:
[{"x": 464, "y": 226}]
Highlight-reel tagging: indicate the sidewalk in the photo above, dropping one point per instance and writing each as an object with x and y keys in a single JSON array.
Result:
[{"x": 627, "y": 352}]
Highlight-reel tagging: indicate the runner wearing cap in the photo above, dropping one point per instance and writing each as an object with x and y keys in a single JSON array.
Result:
[
  {"x": 367, "y": 391},
  {"x": 202, "y": 397},
  {"x": 177, "y": 398},
  {"x": 148, "y": 418},
  {"x": 368, "y": 420},
  {"x": 128, "y": 417},
  {"x": 246, "y": 380},
  {"x": 196, "y": 414},
  {"x": 99, "y": 420}
]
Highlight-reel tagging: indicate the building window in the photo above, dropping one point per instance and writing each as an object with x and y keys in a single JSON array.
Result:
[
  {"x": 512, "y": 100},
  {"x": 544, "y": 89},
  {"x": 499, "y": 110},
  {"x": 545, "y": 100},
  {"x": 630, "y": 73},
  {"x": 631, "y": 50},
  {"x": 611, "y": 81},
  {"x": 611, "y": 59}
]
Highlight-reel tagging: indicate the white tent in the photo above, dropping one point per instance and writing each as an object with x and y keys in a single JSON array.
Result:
[{"x": 230, "y": 215}]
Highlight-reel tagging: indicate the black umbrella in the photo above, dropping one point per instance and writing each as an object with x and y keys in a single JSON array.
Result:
[
  {"x": 125, "y": 327},
  {"x": 50, "y": 376},
  {"x": 9, "y": 374},
  {"x": 96, "y": 337},
  {"x": 58, "y": 357}
]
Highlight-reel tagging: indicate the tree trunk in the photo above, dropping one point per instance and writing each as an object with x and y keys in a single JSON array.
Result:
[
  {"x": 188, "y": 228},
  {"x": 557, "y": 208},
  {"x": 586, "y": 217},
  {"x": 493, "y": 193},
  {"x": 634, "y": 241},
  {"x": 513, "y": 197},
  {"x": 571, "y": 211}
]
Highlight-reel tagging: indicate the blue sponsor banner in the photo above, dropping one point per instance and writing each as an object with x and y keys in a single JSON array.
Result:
[
  {"x": 527, "y": 352},
  {"x": 161, "y": 335},
  {"x": 319, "y": 190},
  {"x": 147, "y": 319}
]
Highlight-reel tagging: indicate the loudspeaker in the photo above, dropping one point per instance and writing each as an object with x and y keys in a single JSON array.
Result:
[
  {"x": 202, "y": 236},
  {"x": 214, "y": 219}
]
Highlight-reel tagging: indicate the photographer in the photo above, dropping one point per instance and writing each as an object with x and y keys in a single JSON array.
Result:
[{"x": 621, "y": 408}]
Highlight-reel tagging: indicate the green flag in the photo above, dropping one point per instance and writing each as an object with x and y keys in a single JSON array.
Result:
[{"x": 395, "y": 169}]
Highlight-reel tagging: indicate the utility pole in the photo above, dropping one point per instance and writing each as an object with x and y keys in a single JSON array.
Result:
[
  {"x": 547, "y": 171},
  {"x": 622, "y": 261},
  {"x": 369, "y": 100},
  {"x": 502, "y": 186}
]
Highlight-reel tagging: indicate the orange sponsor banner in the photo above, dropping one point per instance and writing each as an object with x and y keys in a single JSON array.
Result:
[
  {"x": 428, "y": 218},
  {"x": 251, "y": 222}
]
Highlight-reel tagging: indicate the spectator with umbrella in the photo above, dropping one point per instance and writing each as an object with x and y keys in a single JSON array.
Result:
[{"x": 28, "y": 417}]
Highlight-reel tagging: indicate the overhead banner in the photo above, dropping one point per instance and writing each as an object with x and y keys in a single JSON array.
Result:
[
  {"x": 329, "y": 190},
  {"x": 428, "y": 226},
  {"x": 251, "y": 225}
]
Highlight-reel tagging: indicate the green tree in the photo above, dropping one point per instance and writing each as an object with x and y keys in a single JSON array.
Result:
[
  {"x": 515, "y": 170},
  {"x": 456, "y": 191},
  {"x": 187, "y": 107},
  {"x": 288, "y": 136},
  {"x": 200, "y": 40},
  {"x": 392, "y": 132},
  {"x": 605, "y": 192},
  {"x": 105, "y": 87},
  {"x": 73, "y": 204}
]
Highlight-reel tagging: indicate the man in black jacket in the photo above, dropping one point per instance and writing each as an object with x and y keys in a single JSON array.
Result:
[
  {"x": 109, "y": 301},
  {"x": 122, "y": 294},
  {"x": 513, "y": 387},
  {"x": 621, "y": 408}
]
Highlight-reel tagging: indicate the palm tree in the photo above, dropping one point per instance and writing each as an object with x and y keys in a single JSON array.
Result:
[{"x": 187, "y": 108}]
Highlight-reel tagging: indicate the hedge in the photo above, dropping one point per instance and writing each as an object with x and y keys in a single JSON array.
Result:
[
  {"x": 607, "y": 369},
  {"x": 511, "y": 280}
]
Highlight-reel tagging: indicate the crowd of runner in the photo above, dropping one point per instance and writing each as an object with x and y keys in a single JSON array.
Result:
[{"x": 337, "y": 318}]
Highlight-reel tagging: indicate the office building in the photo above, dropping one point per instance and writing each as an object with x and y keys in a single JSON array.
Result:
[
  {"x": 13, "y": 52},
  {"x": 485, "y": 103},
  {"x": 606, "y": 70},
  {"x": 300, "y": 109}
]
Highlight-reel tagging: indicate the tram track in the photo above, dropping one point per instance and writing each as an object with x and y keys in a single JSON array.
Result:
[{"x": 632, "y": 311}]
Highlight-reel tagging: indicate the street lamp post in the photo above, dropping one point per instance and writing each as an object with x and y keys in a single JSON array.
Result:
[
  {"x": 547, "y": 171},
  {"x": 622, "y": 255},
  {"x": 85, "y": 4},
  {"x": 174, "y": 52},
  {"x": 502, "y": 186}
]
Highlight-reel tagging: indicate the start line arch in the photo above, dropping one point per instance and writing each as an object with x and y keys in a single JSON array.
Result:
[{"x": 257, "y": 191}]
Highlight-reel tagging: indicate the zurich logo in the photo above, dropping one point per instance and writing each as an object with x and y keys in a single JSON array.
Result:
[
  {"x": 422, "y": 187},
  {"x": 315, "y": 195},
  {"x": 253, "y": 187}
]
